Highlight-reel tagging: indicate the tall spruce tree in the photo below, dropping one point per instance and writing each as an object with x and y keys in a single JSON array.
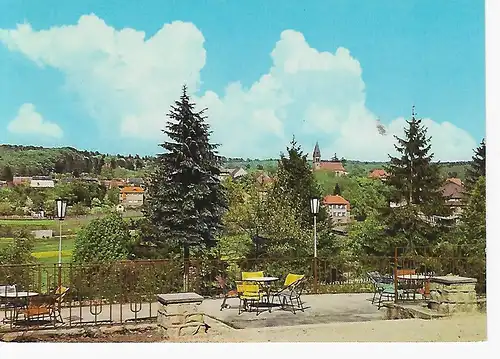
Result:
[
  {"x": 295, "y": 181},
  {"x": 185, "y": 199},
  {"x": 478, "y": 166},
  {"x": 413, "y": 178},
  {"x": 415, "y": 183}
]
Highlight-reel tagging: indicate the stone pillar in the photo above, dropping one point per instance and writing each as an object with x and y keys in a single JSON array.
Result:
[
  {"x": 178, "y": 314},
  {"x": 453, "y": 294}
]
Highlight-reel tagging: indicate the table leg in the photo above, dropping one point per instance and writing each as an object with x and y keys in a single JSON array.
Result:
[{"x": 269, "y": 298}]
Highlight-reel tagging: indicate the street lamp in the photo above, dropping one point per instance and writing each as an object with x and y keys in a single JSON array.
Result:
[
  {"x": 315, "y": 210},
  {"x": 61, "y": 214}
]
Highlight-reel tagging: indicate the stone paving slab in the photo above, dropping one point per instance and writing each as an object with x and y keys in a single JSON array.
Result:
[{"x": 321, "y": 308}]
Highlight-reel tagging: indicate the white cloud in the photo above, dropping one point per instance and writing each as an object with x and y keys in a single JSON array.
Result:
[
  {"x": 29, "y": 121},
  {"x": 128, "y": 82}
]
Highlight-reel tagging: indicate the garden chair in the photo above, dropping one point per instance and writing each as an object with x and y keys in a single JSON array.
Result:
[
  {"x": 383, "y": 287},
  {"x": 249, "y": 286},
  {"x": 59, "y": 293},
  {"x": 292, "y": 289},
  {"x": 249, "y": 295},
  {"x": 5, "y": 303},
  {"x": 39, "y": 307},
  {"x": 376, "y": 278}
]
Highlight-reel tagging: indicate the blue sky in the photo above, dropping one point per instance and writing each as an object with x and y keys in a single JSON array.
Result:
[{"x": 266, "y": 70}]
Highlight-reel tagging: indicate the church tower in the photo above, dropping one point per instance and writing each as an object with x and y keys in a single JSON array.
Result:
[{"x": 316, "y": 157}]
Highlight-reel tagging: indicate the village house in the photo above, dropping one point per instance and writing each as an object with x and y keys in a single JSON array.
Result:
[
  {"x": 263, "y": 179},
  {"x": 18, "y": 180},
  {"x": 338, "y": 208},
  {"x": 132, "y": 196},
  {"x": 378, "y": 174},
  {"x": 3, "y": 184},
  {"x": 454, "y": 193},
  {"x": 333, "y": 165},
  {"x": 42, "y": 182},
  {"x": 234, "y": 173}
]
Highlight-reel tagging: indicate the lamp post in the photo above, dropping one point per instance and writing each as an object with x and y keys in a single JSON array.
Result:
[
  {"x": 315, "y": 210},
  {"x": 61, "y": 214}
]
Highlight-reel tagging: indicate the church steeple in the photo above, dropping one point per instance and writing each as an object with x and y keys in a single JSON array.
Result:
[{"x": 316, "y": 153}]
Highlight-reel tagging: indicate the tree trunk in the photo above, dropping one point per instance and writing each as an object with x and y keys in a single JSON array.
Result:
[{"x": 186, "y": 267}]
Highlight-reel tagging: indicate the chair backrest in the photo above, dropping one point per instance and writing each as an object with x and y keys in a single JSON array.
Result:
[
  {"x": 292, "y": 278},
  {"x": 245, "y": 275},
  {"x": 43, "y": 300},
  {"x": 60, "y": 292},
  {"x": 405, "y": 271}
]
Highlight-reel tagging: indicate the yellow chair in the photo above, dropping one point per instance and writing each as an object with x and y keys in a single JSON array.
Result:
[
  {"x": 291, "y": 291},
  {"x": 292, "y": 278},
  {"x": 249, "y": 294},
  {"x": 251, "y": 287}
]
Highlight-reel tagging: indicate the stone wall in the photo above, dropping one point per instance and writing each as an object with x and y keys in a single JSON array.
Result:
[
  {"x": 179, "y": 315},
  {"x": 452, "y": 294}
]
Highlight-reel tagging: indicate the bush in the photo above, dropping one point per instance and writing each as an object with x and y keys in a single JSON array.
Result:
[
  {"x": 102, "y": 240},
  {"x": 14, "y": 257}
]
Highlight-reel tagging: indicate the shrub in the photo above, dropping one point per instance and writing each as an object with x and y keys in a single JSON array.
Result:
[
  {"x": 14, "y": 257},
  {"x": 102, "y": 240}
]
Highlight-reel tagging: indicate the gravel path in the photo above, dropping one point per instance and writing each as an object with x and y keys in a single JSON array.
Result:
[
  {"x": 457, "y": 329},
  {"x": 465, "y": 328}
]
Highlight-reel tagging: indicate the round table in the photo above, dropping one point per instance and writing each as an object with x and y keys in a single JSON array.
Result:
[
  {"x": 18, "y": 294},
  {"x": 261, "y": 279},
  {"x": 18, "y": 299},
  {"x": 264, "y": 281}
]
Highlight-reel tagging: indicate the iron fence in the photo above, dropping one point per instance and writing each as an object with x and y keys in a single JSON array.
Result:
[{"x": 125, "y": 291}]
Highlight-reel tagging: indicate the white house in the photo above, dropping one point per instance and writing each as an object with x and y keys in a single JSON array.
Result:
[{"x": 42, "y": 182}]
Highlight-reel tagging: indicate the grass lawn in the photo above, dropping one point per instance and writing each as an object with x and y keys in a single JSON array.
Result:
[
  {"x": 47, "y": 250},
  {"x": 68, "y": 225}
]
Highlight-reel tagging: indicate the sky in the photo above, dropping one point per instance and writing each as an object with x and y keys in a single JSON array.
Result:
[{"x": 102, "y": 75}]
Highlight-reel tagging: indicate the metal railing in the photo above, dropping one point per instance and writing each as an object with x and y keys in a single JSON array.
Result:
[{"x": 125, "y": 291}]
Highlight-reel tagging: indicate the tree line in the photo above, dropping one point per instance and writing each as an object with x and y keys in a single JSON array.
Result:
[{"x": 39, "y": 161}]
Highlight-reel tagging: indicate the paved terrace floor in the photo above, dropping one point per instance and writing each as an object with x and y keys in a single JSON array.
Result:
[{"x": 323, "y": 308}]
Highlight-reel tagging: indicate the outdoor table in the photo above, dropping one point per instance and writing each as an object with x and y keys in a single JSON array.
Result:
[
  {"x": 265, "y": 282},
  {"x": 415, "y": 278},
  {"x": 20, "y": 299}
]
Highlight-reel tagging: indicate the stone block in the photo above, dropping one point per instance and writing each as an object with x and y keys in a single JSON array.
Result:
[
  {"x": 458, "y": 297},
  {"x": 460, "y": 288},
  {"x": 178, "y": 314},
  {"x": 181, "y": 308}
]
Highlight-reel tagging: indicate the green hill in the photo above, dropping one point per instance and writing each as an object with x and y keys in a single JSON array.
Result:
[{"x": 32, "y": 161}]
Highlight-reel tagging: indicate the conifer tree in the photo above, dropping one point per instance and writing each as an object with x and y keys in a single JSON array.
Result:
[
  {"x": 185, "y": 199},
  {"x": 337, "y": 191},
  {"x": 478, "y": 166},
  {"x": 295, "y": 181},
  {"x": 414, "y": 179},
  {"x": 415, "y": 183}
]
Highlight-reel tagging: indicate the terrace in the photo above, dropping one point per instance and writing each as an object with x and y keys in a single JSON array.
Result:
[{"x": 336, "y": 289}]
